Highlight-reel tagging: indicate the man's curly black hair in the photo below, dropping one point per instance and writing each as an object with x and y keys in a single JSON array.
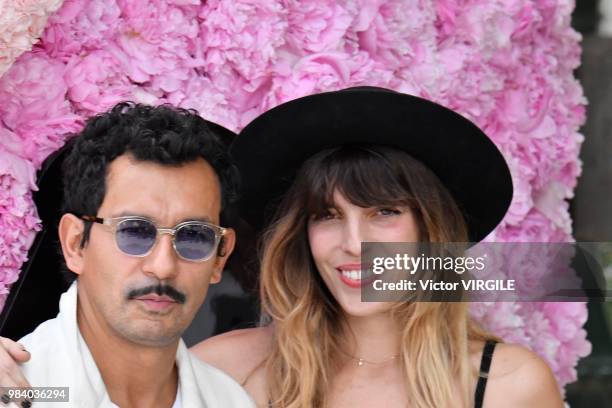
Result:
[{"x": 161, "y": 134}]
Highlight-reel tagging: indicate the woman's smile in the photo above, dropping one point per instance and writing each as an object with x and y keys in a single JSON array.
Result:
[{"x": 355, "y": 275}]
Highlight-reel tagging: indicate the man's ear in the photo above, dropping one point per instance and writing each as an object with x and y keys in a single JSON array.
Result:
[
  {"x": 223, "y": 253},
  {"x": 70, "y": 234}
]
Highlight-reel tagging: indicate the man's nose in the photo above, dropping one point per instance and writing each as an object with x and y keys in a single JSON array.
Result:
[{"x": 162, "y": 262}]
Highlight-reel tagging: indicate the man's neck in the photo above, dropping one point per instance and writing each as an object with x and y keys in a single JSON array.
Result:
[{"x": 134, "y": 375}]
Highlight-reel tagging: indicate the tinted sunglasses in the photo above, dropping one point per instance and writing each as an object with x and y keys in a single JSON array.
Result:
[{"x": 136, "y": 236}]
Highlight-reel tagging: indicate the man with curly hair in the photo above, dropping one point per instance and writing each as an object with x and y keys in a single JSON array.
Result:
[{"x": 145, "y": 191}]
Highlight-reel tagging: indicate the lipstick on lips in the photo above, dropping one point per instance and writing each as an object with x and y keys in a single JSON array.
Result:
[{"x": 355, "y": 275}]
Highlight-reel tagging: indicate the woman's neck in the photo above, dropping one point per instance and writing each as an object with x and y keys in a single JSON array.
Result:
[{"x": 373, "y": 338}]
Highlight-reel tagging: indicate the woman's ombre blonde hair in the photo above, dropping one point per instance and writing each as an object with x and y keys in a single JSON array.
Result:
[{"x": 309, "y": 329}]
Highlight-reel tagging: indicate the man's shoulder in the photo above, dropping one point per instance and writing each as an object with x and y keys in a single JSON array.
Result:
[
  {"x": 39, "y": 338},
  {"x": 53, "y": 334},
  {"x": 47, "y": 351},
  {"x": 212, "y": 375}
]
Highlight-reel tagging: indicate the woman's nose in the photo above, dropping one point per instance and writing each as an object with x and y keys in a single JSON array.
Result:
[{"x": 352, "y": 236}]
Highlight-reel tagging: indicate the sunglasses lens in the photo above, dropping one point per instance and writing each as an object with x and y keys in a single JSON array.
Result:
[
  {"x": 135, "y": 237},
  {"x": 195, "y": 241}
]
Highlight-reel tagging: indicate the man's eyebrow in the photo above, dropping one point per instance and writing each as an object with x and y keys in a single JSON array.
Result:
[
  {"x": 133, "y": 214},
  {"x": 155, "y": 220},
  {"x": 203, "y": 219}
]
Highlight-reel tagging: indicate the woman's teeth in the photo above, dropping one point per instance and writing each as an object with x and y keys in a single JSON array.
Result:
[{"x": 357, "y": 274}]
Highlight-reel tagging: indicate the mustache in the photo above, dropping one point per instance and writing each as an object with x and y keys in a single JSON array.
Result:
[{"x": 160, "y": 290}]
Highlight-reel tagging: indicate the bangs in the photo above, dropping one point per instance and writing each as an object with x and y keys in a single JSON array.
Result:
[{"x": 366, "y": 176}]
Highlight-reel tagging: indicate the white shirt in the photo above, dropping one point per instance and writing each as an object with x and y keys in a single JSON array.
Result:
[{"x": 61, "y": 358}]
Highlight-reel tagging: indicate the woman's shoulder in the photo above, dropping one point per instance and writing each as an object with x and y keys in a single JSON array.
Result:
[
  {"x": 237, "y": 352},
  {"x": 518, "y": 377}
]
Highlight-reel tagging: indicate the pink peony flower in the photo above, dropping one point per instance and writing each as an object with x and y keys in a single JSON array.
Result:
[
  {"x": 242, "y": 34},
  {"x": 550, "y": 201},
  {"x": 315, "y": 73},
  {"x": 96, "y": 82},
  {"x": 392, "y": 33},
  {"x": 535, "y": 227},
  {"x": 240, "y": 42},
  {"x": 566, "y": 321},
  {"x": 501, "y": 318},
  {"x": 156, "y": 43},
  {"x": 34, "y": 105},
  {"x": 18, "y": 223},
  {"x": 80, "y": 27},
  {"x": 201, "y": 94},
  {"x": 21, "y": 23},
  {"x": 316, "y": 26},
  {"x": 12, "y": 164}
]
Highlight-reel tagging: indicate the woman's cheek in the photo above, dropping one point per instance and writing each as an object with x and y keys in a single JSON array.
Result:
[{"x": 320, "y": 237}]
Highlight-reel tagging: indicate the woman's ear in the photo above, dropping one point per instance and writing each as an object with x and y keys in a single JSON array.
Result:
[{"x": 71, "y": 229}]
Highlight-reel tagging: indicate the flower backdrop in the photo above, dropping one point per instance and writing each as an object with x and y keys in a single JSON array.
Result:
[{"x": 505, "y": 65}]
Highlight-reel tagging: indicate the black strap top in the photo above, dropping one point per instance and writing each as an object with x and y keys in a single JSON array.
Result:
[{"x": 485, "y": 364}]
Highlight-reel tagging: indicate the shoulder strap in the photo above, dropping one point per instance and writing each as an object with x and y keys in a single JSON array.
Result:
[{"x": 485, "y": 364}]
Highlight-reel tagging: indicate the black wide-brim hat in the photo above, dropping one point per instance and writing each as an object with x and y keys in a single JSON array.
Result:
[{"x": 270, "y": 150}]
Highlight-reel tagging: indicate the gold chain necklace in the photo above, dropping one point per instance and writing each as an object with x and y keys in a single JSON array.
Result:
[{"x": 362, "y": 361}]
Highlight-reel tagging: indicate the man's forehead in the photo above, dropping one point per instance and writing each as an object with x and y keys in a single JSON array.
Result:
[
  {"x": 128, "y": 160},
  {"x": 148, "y": 189},
  {"x": 127, "y": 167}
]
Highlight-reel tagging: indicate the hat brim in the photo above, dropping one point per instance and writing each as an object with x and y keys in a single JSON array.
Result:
[{"x": 270, "y": 150}]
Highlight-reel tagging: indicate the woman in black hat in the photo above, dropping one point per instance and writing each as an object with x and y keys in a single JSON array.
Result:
[{"x": 326, "y": 172}]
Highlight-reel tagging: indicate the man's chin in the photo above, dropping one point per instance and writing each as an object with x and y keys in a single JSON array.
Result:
[
  {"x": 154, "y": 339},
  {"x": 151, "y": 333}
]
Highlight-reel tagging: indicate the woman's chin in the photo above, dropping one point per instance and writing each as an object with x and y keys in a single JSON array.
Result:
[{"x": 352, "y": 305}]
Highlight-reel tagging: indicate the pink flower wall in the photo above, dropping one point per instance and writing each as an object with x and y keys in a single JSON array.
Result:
[{"x": 508, "y": 66}]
